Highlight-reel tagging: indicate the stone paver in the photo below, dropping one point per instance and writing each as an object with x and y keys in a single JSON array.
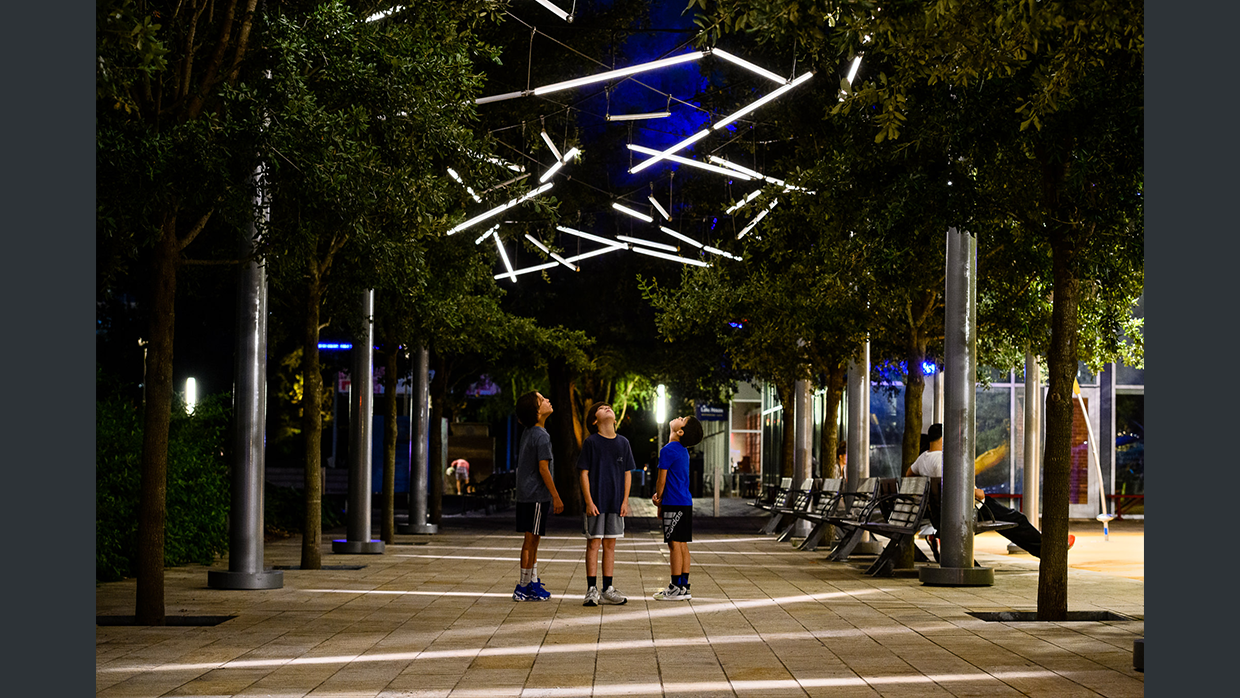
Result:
[{"x": 433, "y": 617}]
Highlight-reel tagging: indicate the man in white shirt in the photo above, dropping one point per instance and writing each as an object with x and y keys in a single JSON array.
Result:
[{"x": 1024, "y": 535}]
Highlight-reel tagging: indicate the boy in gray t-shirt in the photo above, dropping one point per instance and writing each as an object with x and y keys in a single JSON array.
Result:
[{"x": 536, "y": 494}]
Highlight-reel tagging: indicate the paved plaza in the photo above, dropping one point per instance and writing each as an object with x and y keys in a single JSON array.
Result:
[{"x": 433, "y": 617}]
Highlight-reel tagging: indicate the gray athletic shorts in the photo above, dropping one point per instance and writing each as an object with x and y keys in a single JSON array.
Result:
[{"x": 603, "y": 526}]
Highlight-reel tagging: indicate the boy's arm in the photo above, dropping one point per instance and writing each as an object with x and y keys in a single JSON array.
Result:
[
  {"x": 624, "y": 503},
  {"x": 591, "y": 510},
  {"x": 658, "y": 488},
  {"x": 544, "y": 469}
]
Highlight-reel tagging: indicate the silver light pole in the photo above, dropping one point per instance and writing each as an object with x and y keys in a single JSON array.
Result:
[
  {"x": 361, "y": 412},
  {"x": 802, "y": 454},
  {"x": 960, "y": 372},
  {"x": 245, "y": 553},
  {"x": 859, "y": 433},
  {"x": 1033, "y": 424},
  {"x": 419, "y": 432}
]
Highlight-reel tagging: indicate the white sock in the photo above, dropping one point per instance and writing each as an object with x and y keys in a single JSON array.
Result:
[
  {"x": 527, "y": 575},
  {"x": 534, "y": 573}
]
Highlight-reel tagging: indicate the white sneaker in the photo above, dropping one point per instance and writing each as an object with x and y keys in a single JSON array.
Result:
[
  {"x": 673, "y": 593},
  {"x": 611, "y": 596},
  {"x": 592, "y": 597}
]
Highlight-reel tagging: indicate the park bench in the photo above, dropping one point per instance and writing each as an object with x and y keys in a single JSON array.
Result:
[
  {"x": 496, "y": 491},
  {"x": 934, "y": 506},
  {"x": 770, "y": 493},
  {"x": 779, "y": 511},
  {"x": 852, "y": 507},
  {"x": 829, "y": 500},
  {"x": 903, "y": 517},
  {"x": 802, "y": 502}
]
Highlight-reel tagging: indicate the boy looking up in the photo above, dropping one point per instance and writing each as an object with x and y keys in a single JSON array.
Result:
[
  {"x": 536, "y": 495},
  {"x": 675, "y": 503},
  {"x": 605, "y": 462}
]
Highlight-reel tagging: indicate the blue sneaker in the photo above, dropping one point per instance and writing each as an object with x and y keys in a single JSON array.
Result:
[
  {"x": 523, "y": 593},
  {"x": 536, "y": 590}
]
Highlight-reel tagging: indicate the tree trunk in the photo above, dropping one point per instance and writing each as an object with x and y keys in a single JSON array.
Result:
[
  {"x": 786, "y": 415},
  {"x": 387, "y": 522},
  {"x": 1061, "y": 366},
  {"x": 439, "y": 390},
  {"x": 312, "y": 426},
  {"x": 914, "y": 387},
  {"x": 152, "y": 493},
  {"x": 837, "y": 381},
  {"x": 564, "y": 444}
]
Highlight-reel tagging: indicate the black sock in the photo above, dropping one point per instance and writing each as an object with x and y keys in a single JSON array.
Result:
[
  {"x": 684, "y": 580},
  {"x": 606, "y": 581},
  {"x": 675, "y": 580},
  {"x": 591, "y": 581}
]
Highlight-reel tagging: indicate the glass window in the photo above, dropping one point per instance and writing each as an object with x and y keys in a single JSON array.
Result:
[
  {"x": 886, "y": 430},
  {"x": 993, "y": 439},
  {"x": 1130, "y": 451},
  {"x": 1129, "y": 376},
  {"x": 746, "y": 416},
  {"x": 746, "y": 391}
]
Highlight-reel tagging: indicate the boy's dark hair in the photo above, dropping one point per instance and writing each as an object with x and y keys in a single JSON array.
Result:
[
  {"x": 590, "y": 425},
  {"x": 692, "y": 435},
  {"x": 842, "y": 448},
  {"x": 935, "y": 432},
  {"x": 527, "y": 409}
]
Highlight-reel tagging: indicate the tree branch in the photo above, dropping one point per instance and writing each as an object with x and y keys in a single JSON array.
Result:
[{"x": 193, "y": 232}]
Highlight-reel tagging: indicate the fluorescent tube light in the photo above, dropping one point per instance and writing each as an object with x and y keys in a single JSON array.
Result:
[
  {"x": 639, "y": 117},
  {"x": 501, "y": 98},
  {"x": 505, "y": 183},
  {"x": 551, "y": 170},
  {"x": 191, "y": 395},
  {"x": 547, "y": 250},
  {"x": 748, "y": 66},
  {"x": 556, "y": 10},
  {"x": 665, "y": 153},
  {"x": 503, "y": 254},
  {"x": 528, "y": 270},
  {"x": 554, "y": 150},
  {"x": 595, "y": 253},
  {"x": 678, "y": 236},
  {"x": 589, "y": 236},
  {"x": 752, "y": 195},
  {"x": 760, "y": 216},
  {"x": 487, "y": 234},
  {"x": 715, "y": 250},
  {"x": 734, "y": 166},
  {"x": 572, "y": 153},
  {"x": 502, "y": 207},
  {"x": 691, "y": 163},
  {"x": 760, "y": 102},
  {"x": 852, "y": 72},
  {"x": 631, "y": 70},
  {"x": 636, "y": 214},
  {"x": 452, "y": 173},
  {"x": 385, "y": 13},
  {"x": 666, "y": 216},
  {"x": 674, "y": 258},
  {"x": 648, "y": 243}
]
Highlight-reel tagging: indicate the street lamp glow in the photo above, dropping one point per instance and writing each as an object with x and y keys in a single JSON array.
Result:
[
  {"x": 660, "y": 405},
  {"x": 648, "y": 243},
  {"x": 622, "y": 72},
  {"x": 636, "y": 214},
  {"x": 760, "y": 102},
  {"x": 191, "y": 395}
]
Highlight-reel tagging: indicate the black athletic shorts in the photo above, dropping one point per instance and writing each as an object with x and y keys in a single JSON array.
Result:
[
  {"x": 677, "y": 523},
  {"x": 532, "y": 517}
]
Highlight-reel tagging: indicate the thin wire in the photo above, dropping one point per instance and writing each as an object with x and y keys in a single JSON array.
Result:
[{"x": 529, "y": 61}]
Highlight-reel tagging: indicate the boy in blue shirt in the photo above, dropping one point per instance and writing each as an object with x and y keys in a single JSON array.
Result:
[
  {"x": 676, "y": 503},
  {"x": 605, "y": 462},
  {"x": 536, "y": 495}
]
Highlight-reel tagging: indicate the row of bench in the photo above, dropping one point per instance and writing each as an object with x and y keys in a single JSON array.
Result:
[{"x": 906, "y": 509}]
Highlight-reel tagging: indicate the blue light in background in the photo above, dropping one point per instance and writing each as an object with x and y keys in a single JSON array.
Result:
[
  {"x": 928, "y": 368},
  {"x": 331, "y": 346}
]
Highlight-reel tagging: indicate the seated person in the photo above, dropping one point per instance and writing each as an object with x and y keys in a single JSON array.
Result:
[{"x": 1024, "y": 535}]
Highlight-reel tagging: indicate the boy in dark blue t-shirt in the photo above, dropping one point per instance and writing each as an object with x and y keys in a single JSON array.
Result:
[
  {"x": 605, "y": 463},
  {"x": 676, "y": 503}
]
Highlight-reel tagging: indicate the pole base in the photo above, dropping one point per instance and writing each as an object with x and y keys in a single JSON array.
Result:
[
  {"x": 868, "y": 547},
  {"x": 1014, "y": 549},
  {"x": 933, "y": 575},
  {"x": 1138, "y": 655},
  {"x": 227, "y": 579},
  {"x": 427, "y": 529},
  {"x": 358, "y": 547}
]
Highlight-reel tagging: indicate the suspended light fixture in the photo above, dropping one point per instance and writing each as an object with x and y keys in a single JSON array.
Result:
[
  {"x": 556, "y": 10},
  {"x": 760, "y": 216},
  {"x": 660, "y": 155},
  {"x": 452, "y": 173},
  {"x": 639, "y": 117},
  {"x": 672, "y": 257},
  {"x": 678, "y": 236},
  {"x": 572, "y": 153},
  {"x": 502, "y": 207},
  {"x": 191, "y": 395},
  {"x": 622, "y": 72},
  {"x": 729, "y": 164},
  {"x": 752, "y": 195},
  {"x": 660, "y": 405},
  {"x": 589, "y": 236},
  {"x": 551, "y": 170},
  {"x": 576, "y": 258},
  {"x": 748, "y": 66},
  {"x": 385, "y": 13},
  {"x": 852, "y": 71},
  {"x": 715, "y": 250},
  {"x": 554, "y": 150},
  {"x": 648, "y": 243},
  {"x": 547, "y": 250},
  {"x": 487, "y": 234},
  {"x": 503, "y": 254},
  {"x": 662, "y": 211},
  {"x": 687, "y": 161},
  {"x": 760, "y": 102},
  {"x": 636, "y": 214}
]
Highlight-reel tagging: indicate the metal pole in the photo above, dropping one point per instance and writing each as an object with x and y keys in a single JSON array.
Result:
[
  {"x": 1033, "y": 457},
  {"x": 960, "y": 372},
  {"x": 859, "y": 432},
  {"x": 245, "y": 553},
  {"x": 361, "y": 412},
  {"x": 420, "y": 429},
  {"x": 802, "y": 450}
]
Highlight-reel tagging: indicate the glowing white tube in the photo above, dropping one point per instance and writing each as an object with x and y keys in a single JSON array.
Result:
[
  {"x": 631, "y": 70},
  {"x": 691, "y": 163},
  {"x": 487, "y": 234},
  {"x": 760, "y": 216},
  {"x": 528, "y": 270},
  {"x": 191, "y": 395},
  {"x": 748, "y": 66},
  {"x": 500, "y": 98},
  {"x": 547, "y": 250},
  {"x": 659, "y": 155},
  {"x": 556, "y": 10},
  {"x": 734, "y": 166},
  {"x": 852, "y": 72},
  {"x": 595, "y": 253},
  {"x": 715, "y": 250},
  {"x": 505, "y": 183},
  {"x": 385, "y": 13},
  {"x": 660, "y": 408},
  {"x": 648, "y": 243},
  {"x": 760, "y": 102},
  {"x": 636, "y": 214},
  {"x": 551, "y": 170},
  {"x": 672, "y": 257},
  {"x": 572, "y": 153},
  {"x": 589, "y": 236},
  {"x": 752, "y": 195},
  {"x": 457, "y": 177},
  {"x": 503, "y": 254},
  {"x": 502, "y": 207},
  {"x": 639, "y": 117},
  {"x": 554, "y": 150},
  {"x": 678, "y": 236},
  {"x": 666, "y": 216}
]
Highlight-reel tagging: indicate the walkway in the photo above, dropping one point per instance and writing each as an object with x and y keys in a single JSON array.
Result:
[{"x": 433, "y": 617}]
